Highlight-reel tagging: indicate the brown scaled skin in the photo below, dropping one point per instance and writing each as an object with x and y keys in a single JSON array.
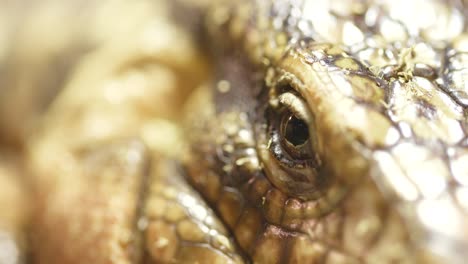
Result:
[
  {"x": 123, "y": 173},
  {"x": 384, "y": 133}
]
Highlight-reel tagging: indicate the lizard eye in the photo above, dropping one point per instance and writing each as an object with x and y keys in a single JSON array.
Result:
[
  {"x": 291, "y": 156},
  {"x": 291, "y": 141},
  {"x": 294, "y": 136},
  {"x": 295, "y": 131}
]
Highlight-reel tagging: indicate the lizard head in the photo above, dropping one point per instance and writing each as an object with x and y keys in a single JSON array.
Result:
[{"x": 322, "y": 149}]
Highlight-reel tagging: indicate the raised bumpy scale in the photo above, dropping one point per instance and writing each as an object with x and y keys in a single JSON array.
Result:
[{"x": 294, "y": 131}]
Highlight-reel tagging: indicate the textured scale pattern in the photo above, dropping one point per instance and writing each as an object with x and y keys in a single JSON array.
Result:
[
  {"x": 384, "y": 82},
  {"x": 149, "y": 154}
]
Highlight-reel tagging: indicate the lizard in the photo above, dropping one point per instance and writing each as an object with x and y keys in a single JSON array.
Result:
[{"x": 323, "y": 132}]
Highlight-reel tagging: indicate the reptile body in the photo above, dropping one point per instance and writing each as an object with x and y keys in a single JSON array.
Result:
[{"x": 315, "y": 132}]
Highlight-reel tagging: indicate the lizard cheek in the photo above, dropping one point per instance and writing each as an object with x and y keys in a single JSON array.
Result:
[{"x": 304, "y": 183}]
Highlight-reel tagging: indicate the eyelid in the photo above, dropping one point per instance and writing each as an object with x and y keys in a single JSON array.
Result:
[{"x": 296, "y": 105}]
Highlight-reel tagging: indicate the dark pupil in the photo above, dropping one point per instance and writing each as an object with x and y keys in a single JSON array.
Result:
[{"x": 297, "y": 131}]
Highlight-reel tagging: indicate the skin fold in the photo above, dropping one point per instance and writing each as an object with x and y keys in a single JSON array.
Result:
[{"x": 235, "y": 132}]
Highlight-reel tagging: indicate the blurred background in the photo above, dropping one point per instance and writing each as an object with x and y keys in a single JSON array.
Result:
[{"x": 122, "y": 59}]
